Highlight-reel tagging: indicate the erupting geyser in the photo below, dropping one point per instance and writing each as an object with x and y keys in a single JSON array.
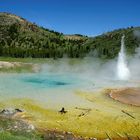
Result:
[{"x": 123, "y": 72}]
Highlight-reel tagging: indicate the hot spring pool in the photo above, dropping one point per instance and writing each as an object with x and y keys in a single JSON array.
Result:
[{"x": 52, "y": 88}]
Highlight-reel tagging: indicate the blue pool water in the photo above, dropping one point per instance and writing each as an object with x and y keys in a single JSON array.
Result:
[
  {"x": 51, "y": 89},
  {"x": 49, "y": 81},
  {"x": 54, "y": 88}
]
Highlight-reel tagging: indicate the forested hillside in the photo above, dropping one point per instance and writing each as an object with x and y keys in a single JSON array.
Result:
[
  {"x": 20, "y": 38},
  {"x": 108, "y": 45}
]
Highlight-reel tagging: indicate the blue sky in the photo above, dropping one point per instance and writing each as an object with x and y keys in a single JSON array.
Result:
[{"x": 88, "y": 17}]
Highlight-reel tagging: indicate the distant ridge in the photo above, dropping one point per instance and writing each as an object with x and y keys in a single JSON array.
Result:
[{"x": 21, "y": 38}]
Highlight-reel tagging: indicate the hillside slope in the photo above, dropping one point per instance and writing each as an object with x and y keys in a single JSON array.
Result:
[
  {"x": 20, "y": 38},
  {"x": 108, "y": 45}
]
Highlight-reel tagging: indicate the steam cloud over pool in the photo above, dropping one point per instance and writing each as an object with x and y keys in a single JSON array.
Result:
[{"x": 58, "y": 80}]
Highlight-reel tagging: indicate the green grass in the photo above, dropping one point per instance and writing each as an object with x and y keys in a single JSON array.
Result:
[
  {"x": 23, "y": 68},
  {"x": 16, "y": 136},
  {"x": 25, "y": 60}
]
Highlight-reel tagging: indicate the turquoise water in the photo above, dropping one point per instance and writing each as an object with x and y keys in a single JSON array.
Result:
[
  {"x": 57, "y": 83},
  {"x": 51, "y": 89},
  {"x": 50, "y": 81}
]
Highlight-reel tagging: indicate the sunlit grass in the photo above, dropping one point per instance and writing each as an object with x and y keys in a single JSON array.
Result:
[
  {"x": 25, "y": 60},
  {"x": 18, "y": 136},
  {"x": 18, "y": 69}
]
